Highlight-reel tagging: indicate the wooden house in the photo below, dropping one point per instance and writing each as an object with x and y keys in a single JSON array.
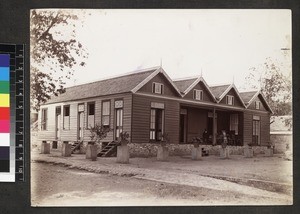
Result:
[{"x": 148, "y": 103}]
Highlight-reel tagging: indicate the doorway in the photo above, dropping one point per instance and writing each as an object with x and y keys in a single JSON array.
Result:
[
  {"x": 57, "y": 122},
  {"x": 80, "y": 122},
  {"x": 183, "y": 126}
]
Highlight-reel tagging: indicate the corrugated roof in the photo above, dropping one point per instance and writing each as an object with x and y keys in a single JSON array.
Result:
[
  {"x": 247, "y": 96},
  {"x": 114, "y": 85},
  {"x": 217, "y": 91},
  {"x": 182, "y": 85}
]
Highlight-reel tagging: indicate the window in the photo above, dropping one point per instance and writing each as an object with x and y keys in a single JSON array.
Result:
[
  {"x": 44, "y": 119},
  {"x": 105, "y": 113},
  {"x": 91, "y": 115},
  {"x": 234, "y": 123},
  {"x": 119, "y": 117},
  {"x": 198, "y": 94},
  {"x": 256, "y": 130},
  {"x": 230, "y": 100},
  {"x": 157, "y": 88},
  {"x": 257, "y": 104},
  {"x": 156, "y": 123},
  {"x": 66, "y": 117}
]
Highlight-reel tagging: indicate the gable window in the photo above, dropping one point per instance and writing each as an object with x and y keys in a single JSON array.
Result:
[
  {"x": 66, "y": 124},
  {"x": 105, "y": 113},
  {"x": 234, "y": 123},
  {"x": 230, "y": 100},
  {"x": 44, "y": 119},
  {"x": 156, "y": 121},
  {"x": 198, "y": 94},
  {"x": 157, "y": 88},
  {"x": 91, "y": 115},
  {"x": 257, "y": 104}
]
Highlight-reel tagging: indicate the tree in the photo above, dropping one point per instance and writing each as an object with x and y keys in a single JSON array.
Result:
[
  {"x": 54, "y": 53},
  {"x": 275, "y": 84}
]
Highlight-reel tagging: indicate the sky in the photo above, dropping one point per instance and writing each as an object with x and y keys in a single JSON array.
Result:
[{"x": 219, "y": 44}]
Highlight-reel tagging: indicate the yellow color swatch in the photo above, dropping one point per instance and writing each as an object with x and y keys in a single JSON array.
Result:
[{"x": 4, "y": 100}]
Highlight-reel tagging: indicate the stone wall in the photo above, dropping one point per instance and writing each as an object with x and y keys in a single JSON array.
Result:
[
  {"x": 281, "y": 142},
  {"x": 150, "y": 150}
]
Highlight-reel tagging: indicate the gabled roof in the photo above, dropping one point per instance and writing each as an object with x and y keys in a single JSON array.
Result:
[
  {"x": 146, "y": 80},
  {"x": 192, "y": 83},
  {"x": 120, "y": 84},
  {"x": 182, "y": 85},
  {"x": 249, "y": 97},
  {"x": 218, "y": 90},
  {"x": 221, "y": 91}
]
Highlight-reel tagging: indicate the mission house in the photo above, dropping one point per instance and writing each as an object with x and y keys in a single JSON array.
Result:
[{"x": 148, "y": 103}]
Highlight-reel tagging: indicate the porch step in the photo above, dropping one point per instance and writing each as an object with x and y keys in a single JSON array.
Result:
[
  {"x": 75, "y": 146},
  {"x": 109, "y": 150}
]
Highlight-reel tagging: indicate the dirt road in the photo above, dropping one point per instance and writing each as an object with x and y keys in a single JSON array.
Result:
[{"x": 60, "y": 186}]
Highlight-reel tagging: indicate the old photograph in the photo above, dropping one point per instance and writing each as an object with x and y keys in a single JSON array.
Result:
[{"x": 159, "y": 107}]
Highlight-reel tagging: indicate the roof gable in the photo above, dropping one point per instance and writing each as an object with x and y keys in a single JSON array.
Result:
[
  {"x": 250, "y": 97},
  {"x": 217, "y": 91},
  {"x": 182, "y": 85},
  {"x": 150, "y": 77},
  {"x": 197, "y": 81}
]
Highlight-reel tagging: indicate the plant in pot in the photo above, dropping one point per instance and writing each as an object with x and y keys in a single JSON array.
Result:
[
  {"x": 162, "y": 150},
  {"x": 196, "y": 150},
  {"x": 122, "y": 149},
  {"x": 269, "y": 150},
  {"x": 248, "y": 150},
  {"x": 97, "y": 133}
]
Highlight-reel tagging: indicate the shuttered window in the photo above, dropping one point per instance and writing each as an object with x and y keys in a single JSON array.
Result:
[
  {"x": 256, "y": 130},
  {"x": 198, "y": 94},
  {"x": 230, "y": 100},
  {"x": 119, "y": 117},
  {"x": 91, "y": 115},
  {"x": 234, "y": 123},
  {"x": 157, "y": 88},
  {"x": 105, "y": 113},
  {"x": 44, "y": 119},
  {"x": 156, "y": 124},
  {"x": 257, "y": 104},
  {"x": 66, "y": 124}
]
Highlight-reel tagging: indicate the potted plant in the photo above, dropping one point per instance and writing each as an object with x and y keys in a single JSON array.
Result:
[
  {"x": 122, "y": 149},
  {"x": 162, "y": 150},
  {"x": 248, "y": 150},
  {"x": 269, "y": 150},
  {"x": 196, "y": 150},
  {"x": 224, "y": 153},
  {"x": 97, "y": 133}
]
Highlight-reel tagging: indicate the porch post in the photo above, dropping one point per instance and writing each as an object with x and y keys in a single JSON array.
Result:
[{"x": 214, "y": 126}]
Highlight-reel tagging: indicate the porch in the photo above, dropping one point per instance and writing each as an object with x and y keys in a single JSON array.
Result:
[{"x": 194, "y": 121}]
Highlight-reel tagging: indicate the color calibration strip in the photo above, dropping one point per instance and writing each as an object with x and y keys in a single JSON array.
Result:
[
  {"x": 13, "y": 110},
  {"x": 4, "y": 113}
]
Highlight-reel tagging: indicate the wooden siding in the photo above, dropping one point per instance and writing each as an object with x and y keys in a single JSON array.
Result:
[
  {"x": 141, "y": 118},
  {"x": 159, "y": 78},
  {"x": 72, "y": 133},
  {"x": 237, "y": 101},
  {"x": 200, "y": 86},
  {"x": 49, "y": 133},
  {"x": 262, "y": 104},
  {"x": 197, "y": 122},
  {"x": 264, "y": 127}
]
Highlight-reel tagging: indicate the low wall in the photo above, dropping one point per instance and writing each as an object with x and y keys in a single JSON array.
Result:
[
  {"x": 281, "y": 141},
  {"x": 150, "y": 150}
]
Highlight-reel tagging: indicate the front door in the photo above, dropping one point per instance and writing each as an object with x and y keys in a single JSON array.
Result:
[
  {"x": 183, "y": 126},
  {"x": 57, "y": 122},
  {"x": 80, "y": 121}
]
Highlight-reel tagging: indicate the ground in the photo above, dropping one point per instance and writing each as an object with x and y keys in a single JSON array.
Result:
[{"x": 76, "y": 181}]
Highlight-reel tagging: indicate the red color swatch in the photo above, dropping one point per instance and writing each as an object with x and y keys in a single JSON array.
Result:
[{"x": 4, "y": 113}]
